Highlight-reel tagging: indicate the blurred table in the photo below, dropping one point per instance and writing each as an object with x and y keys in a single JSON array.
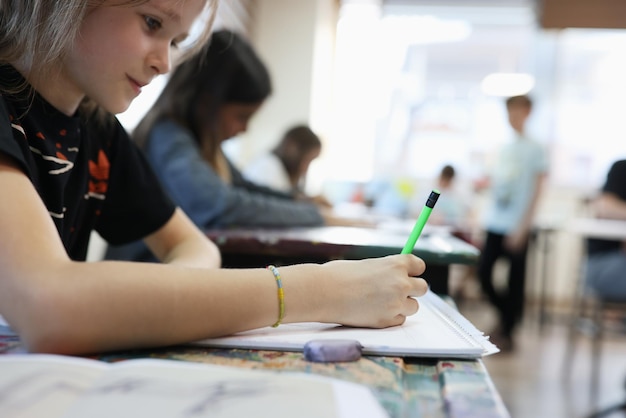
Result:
[
  {"x": 609, "y": 229},
  {"x": 542, "y": 244},
  {"x": 258, "y": 247}
]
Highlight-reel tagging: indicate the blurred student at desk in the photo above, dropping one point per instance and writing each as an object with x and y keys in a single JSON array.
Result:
[
  {"x": 208, "y": 100},
  {"x": 606, "y": 259},
  {"x": 453, "y": 206},
  {"x": 285, "y": 168}
]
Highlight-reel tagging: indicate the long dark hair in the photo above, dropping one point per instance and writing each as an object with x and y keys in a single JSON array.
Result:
[
  {"x": 296, "y": 144},
  {"x": 227, "y": 70}
]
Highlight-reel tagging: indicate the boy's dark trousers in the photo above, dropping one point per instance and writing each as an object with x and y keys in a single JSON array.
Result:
[{"x": 510, "y": 302}]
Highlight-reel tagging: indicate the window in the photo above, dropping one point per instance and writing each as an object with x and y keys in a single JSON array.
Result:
[{"x": 410, "y": 93}]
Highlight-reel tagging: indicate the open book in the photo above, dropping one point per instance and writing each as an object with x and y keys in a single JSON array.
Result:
[
  {"x": 436, "y": 330},
  {"x": 39, "y": 385}
]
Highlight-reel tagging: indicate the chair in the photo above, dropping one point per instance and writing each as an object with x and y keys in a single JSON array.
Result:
[{"x": 595, "y": 317}]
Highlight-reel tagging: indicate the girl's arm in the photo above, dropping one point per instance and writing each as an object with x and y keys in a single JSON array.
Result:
[
  {"x": 62, "y": 306},
  {"x": 180, "y": 242},
  {"x": 206, "y": 198},
  {"x": 610, "y": 206}
]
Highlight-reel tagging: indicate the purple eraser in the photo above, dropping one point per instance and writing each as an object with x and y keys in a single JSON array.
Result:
[{"x": 330, "y": 351}]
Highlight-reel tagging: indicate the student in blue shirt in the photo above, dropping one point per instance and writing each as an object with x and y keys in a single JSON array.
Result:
[
  {"x": 208, "y": 100},
  {"x": 516, "y": 185},
  {"x": 67, "y": 168}
]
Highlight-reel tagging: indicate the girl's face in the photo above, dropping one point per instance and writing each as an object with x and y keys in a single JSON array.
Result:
[
  {"x": 233, "y": 119},
  {"x": 120, "y": 49}
]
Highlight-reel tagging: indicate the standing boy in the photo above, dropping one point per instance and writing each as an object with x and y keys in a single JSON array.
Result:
[{"x": 516, "y": 185}]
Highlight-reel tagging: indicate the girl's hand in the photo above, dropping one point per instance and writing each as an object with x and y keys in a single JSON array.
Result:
[{"x": 373, "y": 293}]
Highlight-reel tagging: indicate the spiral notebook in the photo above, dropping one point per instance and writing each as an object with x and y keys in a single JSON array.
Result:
[{"x": 436, "y": 330}]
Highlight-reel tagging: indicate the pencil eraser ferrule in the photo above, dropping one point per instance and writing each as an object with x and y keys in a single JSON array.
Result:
[
  {"x": 332, "y": 351},
  {"x": 432, "y": 198}
]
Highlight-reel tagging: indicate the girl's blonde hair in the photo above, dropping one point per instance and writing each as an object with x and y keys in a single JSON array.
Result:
[{"x": 42, "y": 31}]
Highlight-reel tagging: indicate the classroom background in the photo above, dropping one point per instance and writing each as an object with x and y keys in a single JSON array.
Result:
[{"x": 397, "y": 89}]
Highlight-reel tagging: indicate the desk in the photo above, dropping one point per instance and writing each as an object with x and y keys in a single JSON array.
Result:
[
  {"x": 593, "y": 314},
  {"x": 609, "y": 229},
  {"x": 405, "y": 387},
  {"x": 320, "y": 244},
  {"x": 542, "y": 243}
]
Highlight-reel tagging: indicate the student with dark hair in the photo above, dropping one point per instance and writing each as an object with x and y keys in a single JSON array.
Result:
[
  {"x": 286, "y": 166},
  {"x": 606, "y": 259},
  {"x": 208, "y": 100}
]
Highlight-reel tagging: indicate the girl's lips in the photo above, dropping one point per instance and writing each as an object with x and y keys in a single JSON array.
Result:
[{"x": 136, "y": 85}]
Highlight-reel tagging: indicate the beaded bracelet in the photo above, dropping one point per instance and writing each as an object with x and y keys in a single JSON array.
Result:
[{"x": 281, "y": 295}]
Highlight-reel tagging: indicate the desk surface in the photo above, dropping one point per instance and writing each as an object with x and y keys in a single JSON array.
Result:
[
  {"x": 404, "y": 387},
  {"x": 610, "y": 229},
  {"x": 436, "y": 247}
]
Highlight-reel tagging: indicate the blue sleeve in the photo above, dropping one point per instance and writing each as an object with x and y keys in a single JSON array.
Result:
[{"x": 209, "y": 201}]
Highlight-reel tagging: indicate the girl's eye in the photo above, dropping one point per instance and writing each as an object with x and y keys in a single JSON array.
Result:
[{"x": 152, "y": 23}]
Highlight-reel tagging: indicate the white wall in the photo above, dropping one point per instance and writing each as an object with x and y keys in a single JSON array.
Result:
[{"x": 295, "y": 38}]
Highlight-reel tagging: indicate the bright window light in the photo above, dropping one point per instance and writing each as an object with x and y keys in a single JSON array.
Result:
[
  {"x": 426, "y": 29},
  {"x": 507, "y": 84}
]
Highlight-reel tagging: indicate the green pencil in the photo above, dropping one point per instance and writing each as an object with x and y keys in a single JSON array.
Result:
[{"x": 421, "y": 221}]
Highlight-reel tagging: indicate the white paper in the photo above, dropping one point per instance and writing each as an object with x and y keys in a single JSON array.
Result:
[{"x": 436, "y": 330}]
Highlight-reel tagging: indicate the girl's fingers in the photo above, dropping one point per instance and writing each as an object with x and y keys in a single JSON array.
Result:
[
  {"x": 411, "y": 306},
  {"x": 398, "y": 320},
  {"x": 416, "y": 266},
  {"x": 419, "y": 287}
]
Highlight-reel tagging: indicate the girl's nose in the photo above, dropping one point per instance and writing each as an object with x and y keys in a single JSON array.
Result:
[{"x": 160, "y": 60}]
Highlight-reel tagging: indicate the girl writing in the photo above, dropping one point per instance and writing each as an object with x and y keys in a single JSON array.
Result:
[{"x": 67, "y": 167}]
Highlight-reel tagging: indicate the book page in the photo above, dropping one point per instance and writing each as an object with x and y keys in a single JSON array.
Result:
[
  {"x": 66, "y": 387},
  {"x": 154, "y": 389},
  {"x": 42, "y": 385}
]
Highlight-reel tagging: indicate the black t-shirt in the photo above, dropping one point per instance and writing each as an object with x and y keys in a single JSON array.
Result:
[
  {"x": 615, "y": 184},
  {"x": 87, "y": 171}
]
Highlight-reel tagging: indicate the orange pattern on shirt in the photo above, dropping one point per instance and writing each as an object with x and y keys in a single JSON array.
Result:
[{"x": 99, "y": 172}]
